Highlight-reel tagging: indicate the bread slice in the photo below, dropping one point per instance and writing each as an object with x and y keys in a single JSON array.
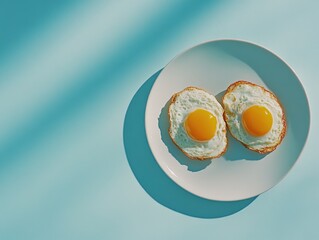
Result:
[
  {"x": 266, "y": 149},
  {"x": 173, "y": 101}
]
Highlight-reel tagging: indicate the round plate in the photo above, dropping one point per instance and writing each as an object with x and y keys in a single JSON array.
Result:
[{"x": 239, "y": 173}]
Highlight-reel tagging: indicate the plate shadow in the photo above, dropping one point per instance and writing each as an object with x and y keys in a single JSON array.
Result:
[{"x": 152, "y": 178}]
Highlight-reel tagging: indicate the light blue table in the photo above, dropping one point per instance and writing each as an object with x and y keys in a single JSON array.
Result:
[{"x": 70, "y": 71}]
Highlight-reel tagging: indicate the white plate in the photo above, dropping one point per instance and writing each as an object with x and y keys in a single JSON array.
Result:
[{"x": 240, "y": 173}]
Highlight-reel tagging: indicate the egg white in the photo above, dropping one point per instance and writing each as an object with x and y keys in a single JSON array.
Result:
[
  {"x": 241, "y": 98},
  {"x": 186, "y": 102}
]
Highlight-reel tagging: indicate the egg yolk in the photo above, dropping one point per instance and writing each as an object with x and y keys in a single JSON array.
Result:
[
  {"x": 257, "y": 120},
  {"x": 200, "y": 125}
]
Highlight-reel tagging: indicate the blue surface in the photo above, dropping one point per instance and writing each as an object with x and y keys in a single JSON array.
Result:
[{"x": 72, "y": 74}]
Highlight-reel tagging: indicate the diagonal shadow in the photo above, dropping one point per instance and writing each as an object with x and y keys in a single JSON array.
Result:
[
  {"x": 151, "y": 177},
  {"x": 106, "y": 74},
  {"x": 18, "y": 19}
]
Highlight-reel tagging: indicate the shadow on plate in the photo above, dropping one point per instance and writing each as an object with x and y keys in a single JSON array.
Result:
[
  {"x": 219, "y": 96},
  {"x": 237, "y": 151},
  {"x": 152, "y": 178}
]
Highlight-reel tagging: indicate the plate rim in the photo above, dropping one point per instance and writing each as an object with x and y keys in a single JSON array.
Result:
[{"x": 147, "y": 107}]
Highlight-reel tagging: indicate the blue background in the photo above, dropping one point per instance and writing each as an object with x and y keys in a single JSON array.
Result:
[{"x": 74, "y": 77}]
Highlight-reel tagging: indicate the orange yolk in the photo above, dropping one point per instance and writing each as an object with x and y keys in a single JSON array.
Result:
[
  {"x": 200, "y": 125},
  {"x": 257, "y": 120}
]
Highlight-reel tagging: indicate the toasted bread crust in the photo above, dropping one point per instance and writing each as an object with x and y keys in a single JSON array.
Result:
[
  {"x": 283, "y": 132},
  {"x": 173, "y": 100}
]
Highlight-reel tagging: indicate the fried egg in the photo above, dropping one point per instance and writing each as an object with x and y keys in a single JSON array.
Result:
[
  {"x": 196, "y": 122},
  {"x": 254, "y": 116}
]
